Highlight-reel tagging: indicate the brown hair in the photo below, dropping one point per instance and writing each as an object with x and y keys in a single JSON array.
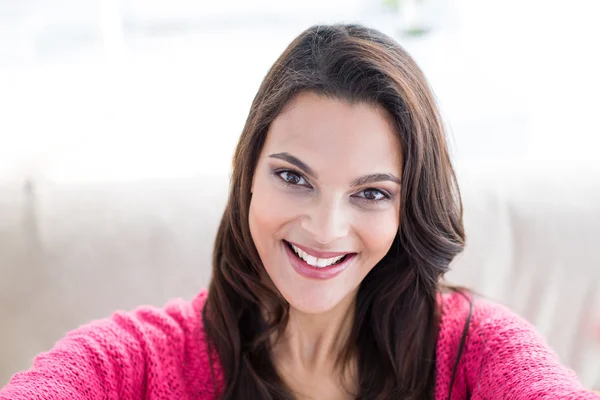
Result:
[{"x": 397, "y": 314}]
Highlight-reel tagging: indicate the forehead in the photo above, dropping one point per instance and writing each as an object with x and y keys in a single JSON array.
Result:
[{"x": 331, "y": 134}]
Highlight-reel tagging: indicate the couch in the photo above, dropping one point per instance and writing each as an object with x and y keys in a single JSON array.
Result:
[{"x": 70, "y": 253}]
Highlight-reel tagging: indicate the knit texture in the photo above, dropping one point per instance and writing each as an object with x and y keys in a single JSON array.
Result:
[{"x": 161, "y": 353}]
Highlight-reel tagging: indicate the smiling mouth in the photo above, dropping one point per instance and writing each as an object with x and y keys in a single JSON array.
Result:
[{"x": 314, "y": 261}]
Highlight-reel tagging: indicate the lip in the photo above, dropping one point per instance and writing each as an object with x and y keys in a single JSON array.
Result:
[
  {"x": 310, "y": 272},
  {"x": 320, "y": 254}
]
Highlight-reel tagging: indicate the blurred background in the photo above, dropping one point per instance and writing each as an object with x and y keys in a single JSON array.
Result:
[{"x": 118, "y": 119}]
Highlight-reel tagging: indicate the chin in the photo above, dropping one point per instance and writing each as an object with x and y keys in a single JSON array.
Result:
[
  {"x": 313, "y": 297},
  {"x": 308, "y": 305}
]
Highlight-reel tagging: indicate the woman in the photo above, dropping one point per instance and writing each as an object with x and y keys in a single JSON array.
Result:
[{"x": 342, "y": 219}]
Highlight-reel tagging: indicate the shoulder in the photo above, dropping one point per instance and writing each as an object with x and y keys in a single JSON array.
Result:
[
  {"x": 152, "y": 345},
  {"x": 484, "y": 316},
  {"x": 501, "y": 353},
  {"x": 159, "y": 351},
  {"x": 469, "y": 325},
  {"x": 170, "y": 325},
  {"x": 178, "y": 317},
  {"x": 483, "y": 325}
]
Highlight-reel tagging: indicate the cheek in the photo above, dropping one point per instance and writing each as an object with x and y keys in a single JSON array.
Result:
[
  {"x": 377, "y": 233},
  {"x": 270, "y": 211}
]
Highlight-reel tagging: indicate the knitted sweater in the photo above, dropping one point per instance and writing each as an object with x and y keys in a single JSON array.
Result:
[{"x": 161, "y": 353}]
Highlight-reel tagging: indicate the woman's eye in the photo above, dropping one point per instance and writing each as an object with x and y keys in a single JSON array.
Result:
[
  {"x": 373, "y": 195},
  {"x": 292, "y": 178}
]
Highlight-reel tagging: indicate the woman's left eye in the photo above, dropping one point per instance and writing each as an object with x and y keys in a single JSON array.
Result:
[{"x": 373, "y": 195}]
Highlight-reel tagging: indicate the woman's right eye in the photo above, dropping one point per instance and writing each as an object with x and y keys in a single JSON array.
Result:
[{"x": 292, "y": 178}]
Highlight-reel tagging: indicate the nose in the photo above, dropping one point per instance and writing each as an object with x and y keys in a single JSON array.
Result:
[{"x": 327, "y": 220}]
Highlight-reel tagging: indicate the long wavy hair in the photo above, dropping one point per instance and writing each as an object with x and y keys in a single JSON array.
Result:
[{"x": 397, "y": 315}]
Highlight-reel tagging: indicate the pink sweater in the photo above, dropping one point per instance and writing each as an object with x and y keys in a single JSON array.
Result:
[{"x": 161, "y": 354}]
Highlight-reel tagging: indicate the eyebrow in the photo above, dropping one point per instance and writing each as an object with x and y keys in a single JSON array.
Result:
[
  {"x": 363, "y": 180},
  {"x": 294, "y": 161},
  {"x": 373, "y": 178}
]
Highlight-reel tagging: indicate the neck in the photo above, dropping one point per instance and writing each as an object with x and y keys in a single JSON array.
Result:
[{"x": 314, "y": 341}]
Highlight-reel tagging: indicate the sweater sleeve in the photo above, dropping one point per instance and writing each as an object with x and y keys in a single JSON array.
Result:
[
  {"x": 507, "y": 359},
  {"x": 128, "y": 356}
]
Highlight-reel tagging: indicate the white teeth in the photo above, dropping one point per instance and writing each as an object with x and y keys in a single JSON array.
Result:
[
  {"x": 314, "y": 261},
  {"x": 322, "y": 262}
]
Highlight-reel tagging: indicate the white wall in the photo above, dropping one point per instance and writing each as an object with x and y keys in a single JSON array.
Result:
[{"x": 102, "y": 90}]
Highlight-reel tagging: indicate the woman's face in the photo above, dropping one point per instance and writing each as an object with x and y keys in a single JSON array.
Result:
[{"x": 326, "y": 199}]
